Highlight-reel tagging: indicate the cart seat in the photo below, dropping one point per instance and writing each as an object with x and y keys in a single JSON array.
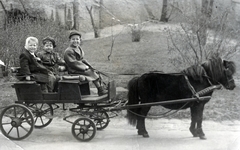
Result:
[{"x": 97, "y": 99}]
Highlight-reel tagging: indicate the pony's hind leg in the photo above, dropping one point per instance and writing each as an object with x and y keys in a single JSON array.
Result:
[{"x": 141, "y": 122}]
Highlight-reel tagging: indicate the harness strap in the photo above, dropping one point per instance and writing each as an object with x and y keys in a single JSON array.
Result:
[
  {"x": 209, "y": 89},
  {"x": 191, "y": 87},
  {"x": 204, "y": 91}
]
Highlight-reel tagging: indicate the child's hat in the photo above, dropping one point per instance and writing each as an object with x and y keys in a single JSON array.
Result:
[
  {"x": 48, "y": 38},
  {"x": 74, "y": 32}
]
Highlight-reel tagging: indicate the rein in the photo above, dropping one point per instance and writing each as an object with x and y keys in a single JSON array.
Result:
[{"x": 165, "y": 114}]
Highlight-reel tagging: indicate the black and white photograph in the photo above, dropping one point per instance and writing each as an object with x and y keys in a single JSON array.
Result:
[{"x": 119, "y": 74}]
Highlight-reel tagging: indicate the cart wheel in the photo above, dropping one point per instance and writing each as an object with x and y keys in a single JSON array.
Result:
[
  {"x": 42, "y": 113},
  {"x": 16, "y": 122},
  {"x": 83, "y": 129},
  {"x": 101, "y": 120}
]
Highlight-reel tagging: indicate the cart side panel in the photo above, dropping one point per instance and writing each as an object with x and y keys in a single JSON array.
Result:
[
  {"x": 69, "y": 91},
  {"x": 85, "y": 88},
  {"x": 28, "y": 91}
]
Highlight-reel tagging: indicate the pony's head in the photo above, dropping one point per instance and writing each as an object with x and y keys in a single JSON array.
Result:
[{"x": 221, "y": 71}]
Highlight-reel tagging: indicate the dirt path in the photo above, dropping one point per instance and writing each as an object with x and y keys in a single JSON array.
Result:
[{"x": 168, "y": 134}]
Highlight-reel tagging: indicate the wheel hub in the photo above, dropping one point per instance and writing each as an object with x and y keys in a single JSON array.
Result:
[
  {"x": 83, "y": 129},
  {"x": 16, "y": 122},
  {"x": 38, "y": 113}
]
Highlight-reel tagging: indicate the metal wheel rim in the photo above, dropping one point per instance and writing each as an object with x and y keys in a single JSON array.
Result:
[
  {"x": 83, "y": 129},
  {"x": 42, "y": 113},
  {"x": 16, "y": 122},
  {"x": 101, "y": 120}
]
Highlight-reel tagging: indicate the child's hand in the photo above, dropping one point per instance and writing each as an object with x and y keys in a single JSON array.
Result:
[
  {"x": 86, "y": 68},
  {"x": 37, "y": 58},
  {"x": 28, "y": 78}
]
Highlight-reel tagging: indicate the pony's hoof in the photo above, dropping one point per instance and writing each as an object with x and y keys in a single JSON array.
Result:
[
  {"x": 145, "y": 135},
  {"x": 194, "y": 132},
  {"x": 140, "y": 133},
  {"x": 201, "y": 134},
  {"x": 203, "y": 137}
]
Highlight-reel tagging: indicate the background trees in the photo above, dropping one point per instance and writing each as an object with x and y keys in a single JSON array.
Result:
[
  {"x": 203, "y": 33},
  {"x": 204, "y": 28}
]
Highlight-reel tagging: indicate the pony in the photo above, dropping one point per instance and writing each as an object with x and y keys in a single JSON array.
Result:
[{"x": 157, "y": 87}]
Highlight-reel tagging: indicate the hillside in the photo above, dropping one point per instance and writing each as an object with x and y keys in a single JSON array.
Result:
[{"x": 150, "y": 54}]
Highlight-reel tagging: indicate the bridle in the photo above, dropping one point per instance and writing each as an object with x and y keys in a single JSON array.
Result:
[{"x": 227, "y": 77}]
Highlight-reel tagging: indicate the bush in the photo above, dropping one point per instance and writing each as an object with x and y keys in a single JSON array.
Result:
[{"x": 12, "y": 39}]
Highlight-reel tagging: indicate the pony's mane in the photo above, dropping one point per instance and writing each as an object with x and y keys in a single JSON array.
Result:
[
  {"x": 195, "y": 71},
  {"x": 214, "y": 68}
]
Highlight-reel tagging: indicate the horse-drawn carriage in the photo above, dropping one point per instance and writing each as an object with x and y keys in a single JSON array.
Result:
[
  {"x": 189, "y": 89},
  {"x": 35, "y": 108}
]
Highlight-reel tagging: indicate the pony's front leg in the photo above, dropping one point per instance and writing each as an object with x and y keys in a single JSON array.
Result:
[
  {"x": 197, "y": 115},
  {"x": 199, "y": 122},
  {"x": 192, "y": 128},
  {"x": 141, "y": 122}
]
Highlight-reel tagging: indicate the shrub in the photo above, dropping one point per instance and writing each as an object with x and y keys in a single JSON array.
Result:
[{"x": 12, "y": 38}]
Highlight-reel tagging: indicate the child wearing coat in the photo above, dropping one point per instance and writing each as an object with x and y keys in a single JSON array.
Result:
[
  {"x": 31, "y": 68},
  {"x": 76, "y": 64},
  {"x": 51, "y": 60}
]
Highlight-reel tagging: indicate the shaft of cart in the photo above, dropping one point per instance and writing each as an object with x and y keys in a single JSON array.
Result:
[{"x": 122, "y": 107}]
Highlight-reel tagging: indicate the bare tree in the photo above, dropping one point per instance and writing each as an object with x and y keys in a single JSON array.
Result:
[
  {"x": 193, "y": 41},
  {"x": 206, "y": 13},
  {"x": 95, "y": 29},
  {"x": 100, "y": 13},
  {"x": 164, "y": 17},
  {"x": 76, "y": 17}
]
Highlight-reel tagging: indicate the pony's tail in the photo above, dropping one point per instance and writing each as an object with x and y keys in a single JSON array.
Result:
[{"x": 133, "y": 98}]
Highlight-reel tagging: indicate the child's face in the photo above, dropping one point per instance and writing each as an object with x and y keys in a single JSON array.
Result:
[
  {"x": 32, "y": 46},
  {"x": 48, "y": 46},
  {"x": 75, "y": 40}
]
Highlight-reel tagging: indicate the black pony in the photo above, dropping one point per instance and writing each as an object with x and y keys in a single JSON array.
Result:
[{"x": 155, "y": 87}]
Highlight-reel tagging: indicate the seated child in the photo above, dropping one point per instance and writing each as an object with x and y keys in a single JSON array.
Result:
[
  {"x": 75, "y": 63},
  {"x": 51, "y": 60},
  {"x": 31, "y": 68}
]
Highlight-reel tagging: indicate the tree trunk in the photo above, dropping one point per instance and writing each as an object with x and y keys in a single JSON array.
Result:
[
  {"x": 95, "y": 29},
  {"x": 207, "y": 6},
  {"x": 164, "y": 11},
  {"x": 5, "y": 16},
  {"x": 76, "y": 18},
  {"x": 100, "y": 13},
  {"x": 57, "y": 18},
  {"x": 68, "y": 21}
]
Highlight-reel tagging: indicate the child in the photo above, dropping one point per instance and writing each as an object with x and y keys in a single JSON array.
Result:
[
  {"x": 75, "y": 63},
  {"x": 31, "y": 67},
  {"x": 51, "y": 60}
]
